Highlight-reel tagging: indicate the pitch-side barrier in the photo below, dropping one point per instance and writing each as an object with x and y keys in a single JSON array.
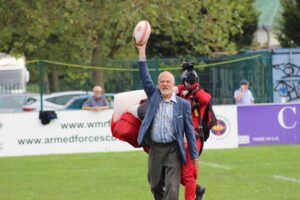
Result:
[{"x": 87, "y": 131}]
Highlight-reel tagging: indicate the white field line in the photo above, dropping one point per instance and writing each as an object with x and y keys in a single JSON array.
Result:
[
  {"x": 216, "y": 165},
  {"x": 286, "y": 178}
]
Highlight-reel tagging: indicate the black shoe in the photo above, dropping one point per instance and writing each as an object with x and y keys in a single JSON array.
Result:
[{"x": 199, "y": 192}]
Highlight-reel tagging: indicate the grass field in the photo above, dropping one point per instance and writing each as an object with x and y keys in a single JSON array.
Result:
[{"x": 247, "y": 173}]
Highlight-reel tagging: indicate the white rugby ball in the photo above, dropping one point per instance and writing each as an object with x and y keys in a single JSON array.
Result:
[{"x": 141, "y": 32}]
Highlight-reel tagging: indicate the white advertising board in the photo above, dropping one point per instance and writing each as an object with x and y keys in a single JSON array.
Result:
[
  {"x": 72, "y": 132},
  {"x": 86, "y": 131},
  {"x": 225, "y": 133}
]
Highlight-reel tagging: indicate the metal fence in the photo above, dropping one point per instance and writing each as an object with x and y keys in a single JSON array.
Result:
[{"x": 221, "y": 76}]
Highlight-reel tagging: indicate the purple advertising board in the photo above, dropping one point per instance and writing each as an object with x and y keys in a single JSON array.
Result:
[{"x": 269, "y": 124}]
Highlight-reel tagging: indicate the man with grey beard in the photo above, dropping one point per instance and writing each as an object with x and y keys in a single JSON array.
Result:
[{"x": 167, "y": 122}]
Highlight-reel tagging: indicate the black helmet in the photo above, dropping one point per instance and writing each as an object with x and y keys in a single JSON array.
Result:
[
  {"x": 189, "y": 74},
  {"x": 190, "y": 77}
]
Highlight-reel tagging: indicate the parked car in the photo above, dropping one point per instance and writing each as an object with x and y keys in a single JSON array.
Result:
[
  {"x": 54, "y": 101},
  {"x": 76, "y": 102},
  {"x": 10, "y": 103}
]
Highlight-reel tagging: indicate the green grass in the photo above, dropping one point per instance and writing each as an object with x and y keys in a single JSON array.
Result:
[{"x": 235, "y": 174}]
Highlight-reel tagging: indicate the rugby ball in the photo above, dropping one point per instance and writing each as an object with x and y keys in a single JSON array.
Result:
[{"x": 141, "y": 32}]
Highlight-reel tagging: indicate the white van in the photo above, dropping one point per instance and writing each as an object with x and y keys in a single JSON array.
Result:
[{"x": 13, "y": 74}]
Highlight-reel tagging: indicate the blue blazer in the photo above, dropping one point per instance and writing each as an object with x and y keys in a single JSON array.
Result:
[{"x": 181, "y": 111}]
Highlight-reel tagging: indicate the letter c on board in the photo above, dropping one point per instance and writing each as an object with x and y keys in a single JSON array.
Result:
[{"x": 281, "y": 118}]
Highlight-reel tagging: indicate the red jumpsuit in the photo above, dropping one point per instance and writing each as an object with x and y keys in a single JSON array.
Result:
[{"x": 188, "y": 171}]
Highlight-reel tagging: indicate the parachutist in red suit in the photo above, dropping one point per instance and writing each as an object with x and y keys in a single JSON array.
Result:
[{"x": 190, "y": 89}]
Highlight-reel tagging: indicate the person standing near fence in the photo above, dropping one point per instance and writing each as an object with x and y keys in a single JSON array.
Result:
[
  {"x": 167, "y": 121},
  {"x": 97, "y": 101},
  {"x": 243, "y": 96}
]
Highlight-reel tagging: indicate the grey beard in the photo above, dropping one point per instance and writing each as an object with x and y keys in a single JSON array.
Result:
[{"x": 166, "y": 92}]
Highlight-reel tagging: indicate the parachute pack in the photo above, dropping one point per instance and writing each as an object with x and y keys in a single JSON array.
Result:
[{"x": 209, "y": 120}]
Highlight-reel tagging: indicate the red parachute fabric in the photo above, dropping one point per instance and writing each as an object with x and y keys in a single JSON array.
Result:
[{"x": 126, "y": 128}]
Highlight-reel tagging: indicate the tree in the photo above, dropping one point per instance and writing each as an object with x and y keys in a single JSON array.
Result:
[
  {"x": 66, "y": 42},
  {"x": 96, "y": 32},
  {"x": 109, "y": 26},
  {"x": 245, "y": 19},
  {"x": 202, "y": 27},
  {"x": 50, "y": 30},
  {"x": 195, "y": 27},
  {"x": 21, "y": 29},
  {"x": 289, "y": 29}
]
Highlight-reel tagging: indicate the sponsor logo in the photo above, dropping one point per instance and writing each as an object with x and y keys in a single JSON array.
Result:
[
  {"x": 222, "y": 129},
  {"x": 283, "y": 119},
  {"x": 244, "y": 139}
]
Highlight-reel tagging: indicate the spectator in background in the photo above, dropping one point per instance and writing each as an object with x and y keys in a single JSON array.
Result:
[
  {"x": 97, "y": 101},
  {"x": 243, "y": 96}
]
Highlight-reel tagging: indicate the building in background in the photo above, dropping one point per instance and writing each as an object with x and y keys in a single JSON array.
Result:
[{"x": 270, "y": 14}]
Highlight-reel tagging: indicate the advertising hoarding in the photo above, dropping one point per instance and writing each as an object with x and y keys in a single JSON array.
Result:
[{"x": 269, "y": 124}]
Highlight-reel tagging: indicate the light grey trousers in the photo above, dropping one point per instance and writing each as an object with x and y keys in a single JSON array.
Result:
[{"x": 164, "y": 167}]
